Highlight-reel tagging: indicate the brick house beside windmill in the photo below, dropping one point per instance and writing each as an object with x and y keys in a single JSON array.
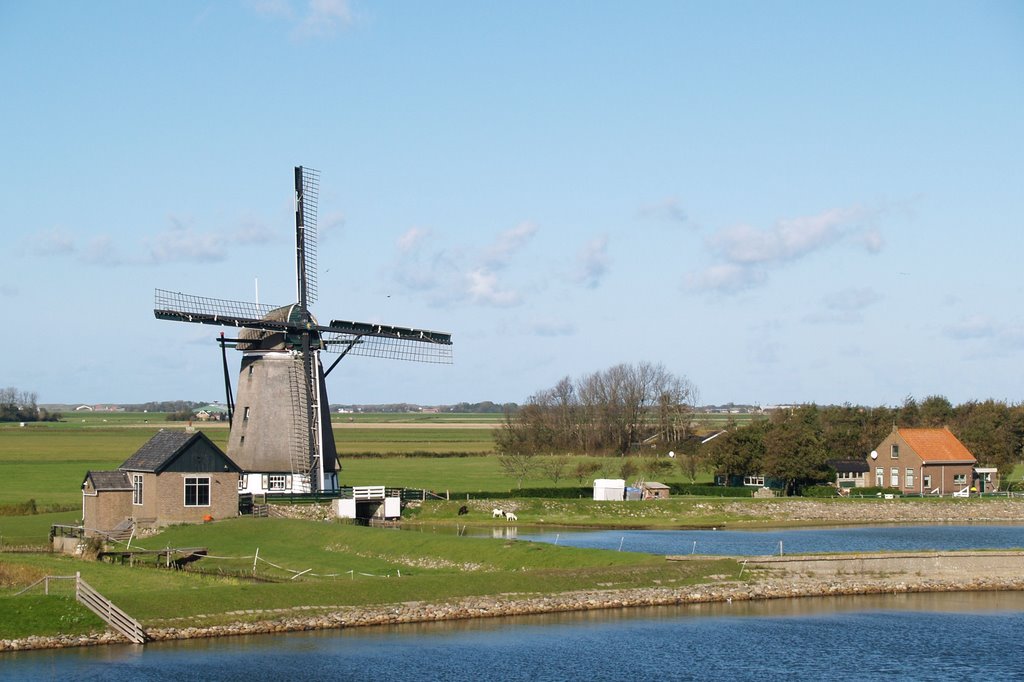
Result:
[{"x": 175, "y": 477}]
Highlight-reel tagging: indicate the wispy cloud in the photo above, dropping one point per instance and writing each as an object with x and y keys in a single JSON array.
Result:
[
  {"x": 181, "y": 243},
  {"x": 553, "y": 328},
  {"x": 103, "y": 251},
  {"x": 55, "y": 242},
  {"x": 726, "y": 278},
  {"x": 844, "y": 307},
  {"x": 465, "y": 275},
  {"x": 483, "y": 288},
  {"x": 508, "y": 244},
  {"x": 667, "y": 209},
  {"x": 746, "y": 254},
  {"x": 331, "y": 224},
  {"x": 310, "y": 19},
  {"x": 592, "y": 262},
  {"x": 974, "y": 327}
]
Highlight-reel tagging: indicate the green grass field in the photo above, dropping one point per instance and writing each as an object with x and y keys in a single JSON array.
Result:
[{"x": 341, "y": 565}]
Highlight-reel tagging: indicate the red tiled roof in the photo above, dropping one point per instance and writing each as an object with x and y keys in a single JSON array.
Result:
[{"x": 936, "y": 445}]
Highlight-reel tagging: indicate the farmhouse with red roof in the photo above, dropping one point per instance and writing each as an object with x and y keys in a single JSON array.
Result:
[{"x": 928, "y": 462}]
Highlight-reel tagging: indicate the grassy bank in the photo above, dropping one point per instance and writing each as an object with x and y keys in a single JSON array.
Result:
[{"x": 317, "y": 566}]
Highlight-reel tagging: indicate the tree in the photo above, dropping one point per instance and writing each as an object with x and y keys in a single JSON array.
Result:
[
  {"x": 554, "y": 466},
  {"x": 935, "y": 411},
  {"x": 992, "y": 431},
  {"x": 604, "y": 412},
  {"x": 518, "y": 465},
  {"x": 794, "y": 451},
  {"x": 585, "y": 470},
  {"x": 739, "y": 451},
  {"x": 20, "y": 406}
]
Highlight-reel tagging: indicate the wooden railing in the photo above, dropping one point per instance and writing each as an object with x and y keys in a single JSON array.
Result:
[{"x": 104, "y": 608}]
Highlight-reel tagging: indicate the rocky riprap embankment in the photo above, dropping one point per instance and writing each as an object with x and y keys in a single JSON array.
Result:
[
  {"x": 884, "y": 511},
  {"x": 301, "y": 619}
]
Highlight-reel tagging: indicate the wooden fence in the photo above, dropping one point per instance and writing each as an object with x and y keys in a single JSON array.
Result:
[{"x": 117, "y": 619}]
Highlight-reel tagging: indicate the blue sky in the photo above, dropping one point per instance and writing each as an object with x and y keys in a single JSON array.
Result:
[{"x": 782, "y": 201}]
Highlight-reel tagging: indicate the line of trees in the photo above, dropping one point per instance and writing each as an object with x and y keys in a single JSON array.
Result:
[
  {"x": 607, "y": 412},
  {"x": 795, "y": 446},
  {"x": 20, "y": 406}
]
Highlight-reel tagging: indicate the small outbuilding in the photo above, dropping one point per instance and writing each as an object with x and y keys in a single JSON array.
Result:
[
  {"x": 850, "y": 473},
  {"x": 652, "y": 490},
  {"x": 609, "y": 489},
  {"x": 175, "y": 477}
]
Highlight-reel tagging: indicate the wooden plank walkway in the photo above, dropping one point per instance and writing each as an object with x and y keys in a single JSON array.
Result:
[{"x": 176, "y": 556}]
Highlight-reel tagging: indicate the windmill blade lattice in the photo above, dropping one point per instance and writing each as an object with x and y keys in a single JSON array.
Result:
[
  {"x": 174, "y": 305},
  {"x": 391, "y": 348},
  {"x": 307, "y": 196}
]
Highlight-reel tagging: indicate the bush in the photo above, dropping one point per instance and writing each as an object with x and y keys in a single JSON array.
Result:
[
  {"x": 19, "y": 509},
  {"x": 819, "y": 491},
  {"x": 554, "y": 493},
  {"x": 709, "y": 490}
]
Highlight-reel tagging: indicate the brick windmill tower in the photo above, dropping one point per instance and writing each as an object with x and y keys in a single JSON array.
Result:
[{"x": 281, "y": 433}]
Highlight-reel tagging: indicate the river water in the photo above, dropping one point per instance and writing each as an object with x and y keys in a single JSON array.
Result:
[
  {"x": 917, "y": 637},
  {"x": 787, "y": 541},
  {"x": 897, "y": 637}
]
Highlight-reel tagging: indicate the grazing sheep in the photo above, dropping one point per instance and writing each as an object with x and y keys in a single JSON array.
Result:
[
  {"x": 495, "y": 513},
  {"x": 509, "y": 517}
]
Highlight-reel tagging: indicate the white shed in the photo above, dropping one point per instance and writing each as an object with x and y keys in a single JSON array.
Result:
[{"x": 609, "y": 489}]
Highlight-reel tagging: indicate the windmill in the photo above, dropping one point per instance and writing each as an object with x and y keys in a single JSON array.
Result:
[{"x": 283, "y": 441}]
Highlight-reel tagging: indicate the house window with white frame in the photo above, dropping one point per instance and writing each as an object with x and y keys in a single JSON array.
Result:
[
  {"x": 754, "y": 480},
  {"x": 909, "y": 479},
  {"x": 959, "y": 479},
  {"x": 197, "y": 491},
  {"x": 894, "y": 452},
  {"x": 137, "y": 489},
  {"x": 276, "y": 482},
  {"x": 894, "y": 477},
  {"x": 880, "y": 477},
  {"x": 927, "y": 482}
]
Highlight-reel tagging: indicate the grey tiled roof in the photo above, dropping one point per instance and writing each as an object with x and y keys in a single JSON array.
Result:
[
  {"x": 109, "y": 480},
  {"x": 158, "y": 450}
]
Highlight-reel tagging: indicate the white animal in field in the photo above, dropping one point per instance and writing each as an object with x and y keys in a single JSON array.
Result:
[
  {"x": 495, "y": 513},
  {"x": 509, "y": 517}
]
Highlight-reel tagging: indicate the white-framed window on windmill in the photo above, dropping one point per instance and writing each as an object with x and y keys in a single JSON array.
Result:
[
  {"x": 243, "y": 482},
  {"x": 276, "y": 482},
  {"x": 197, "y": 491},
  {"x": 137, "y": 489}
]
